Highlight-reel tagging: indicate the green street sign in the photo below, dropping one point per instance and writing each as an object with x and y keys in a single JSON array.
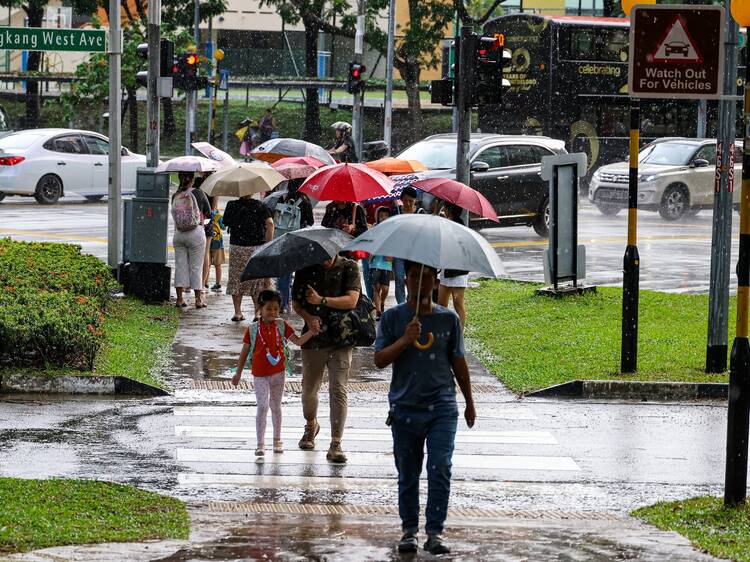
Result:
[{"x": 42, "y": 39}]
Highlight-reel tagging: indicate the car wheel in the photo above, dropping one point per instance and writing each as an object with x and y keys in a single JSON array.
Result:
[
  {"x": 692, "y": 211},
  {"x": 541, "y": 222},
  {"x": 609, "y": 210},
  {"x": 93, "y": 197},
  {"x": 2, "y": 195},
  {"x": 674, "y": 203},
  {"x": 48, "y": 190}
]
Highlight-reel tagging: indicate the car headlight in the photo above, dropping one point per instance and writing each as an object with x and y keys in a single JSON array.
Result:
[{"x": 646, "y": 178}]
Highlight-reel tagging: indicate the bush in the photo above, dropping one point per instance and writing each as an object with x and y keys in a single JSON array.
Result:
[{"x": 52, "y": 300}]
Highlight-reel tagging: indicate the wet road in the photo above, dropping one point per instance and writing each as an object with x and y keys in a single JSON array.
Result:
[{"x": 675, "y": 256}]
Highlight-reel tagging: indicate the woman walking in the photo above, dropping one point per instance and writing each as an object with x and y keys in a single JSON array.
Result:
[
  {"x": 189, "y": 208},
  {"x": 250, "y": 225},
  {"x": 453, "y": 283}
]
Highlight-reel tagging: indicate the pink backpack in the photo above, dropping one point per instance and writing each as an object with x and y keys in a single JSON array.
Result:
[{"x": 185, "y": 211}]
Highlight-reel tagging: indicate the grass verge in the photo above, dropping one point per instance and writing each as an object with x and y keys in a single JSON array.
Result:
[
  {"x": 722, "y": 532},
  {"x": 44, "y": 513},
  {"x": 531, "y": 342}
]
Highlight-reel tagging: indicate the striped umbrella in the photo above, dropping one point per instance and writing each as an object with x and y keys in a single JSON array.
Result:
[{"x": 276, "y": 149}]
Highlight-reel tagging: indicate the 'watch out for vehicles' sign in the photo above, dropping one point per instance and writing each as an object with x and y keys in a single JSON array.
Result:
[{"x": 676, "y": 51}]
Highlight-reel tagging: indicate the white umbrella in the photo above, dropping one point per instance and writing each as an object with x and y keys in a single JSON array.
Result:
[
  {"x": 188, "y": 164},
  {"x": 208, "y": 150},
  {"x": 242, "y": 179},
  {"x": 276, "y": 149},
  {"x": 431, "y": 240}
]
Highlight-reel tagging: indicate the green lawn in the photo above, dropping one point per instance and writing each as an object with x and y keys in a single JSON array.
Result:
[
  {"x": 722, "y": 532},
  {"x": 531, "y": 342},
  {"x": 44, "y": 513}
]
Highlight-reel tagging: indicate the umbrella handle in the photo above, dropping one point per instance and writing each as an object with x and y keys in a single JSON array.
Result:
[{"x": 430, "y": 335}]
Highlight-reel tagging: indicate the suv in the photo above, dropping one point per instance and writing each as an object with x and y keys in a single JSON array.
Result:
[
  {"x": 506, "y": 169},
  {"x": 675, "y": 177}
]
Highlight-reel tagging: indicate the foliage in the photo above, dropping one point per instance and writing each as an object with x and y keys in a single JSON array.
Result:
[
  {"x": 44, "y": 513},
  {"x": 478, "y": 9},
  {"x": 531, "y": 342},
  {"x": 51, "y": 304},
  {"x": 720, "y": 531}
]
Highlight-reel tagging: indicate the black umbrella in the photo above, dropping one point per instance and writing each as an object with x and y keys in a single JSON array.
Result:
[{"x": 294, "y": 251}]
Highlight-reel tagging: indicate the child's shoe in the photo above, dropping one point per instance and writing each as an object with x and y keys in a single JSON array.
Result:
[
  {"x": 216, "y": 287},
  {"x": 260, "y": 451},
  {"x": 278, "y": 447}
]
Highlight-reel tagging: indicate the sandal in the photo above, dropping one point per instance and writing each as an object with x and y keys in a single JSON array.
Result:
[{"x": 237, "y": 318}]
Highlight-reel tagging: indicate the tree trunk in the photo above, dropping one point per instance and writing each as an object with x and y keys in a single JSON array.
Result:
[
  {"x": 170, "y": 129},
  {"x": 312, "y": 106},
  {"x": 35, "y": 15},
  {"x": 133, "y": 111},
  {"x": 410, "y": 72}
]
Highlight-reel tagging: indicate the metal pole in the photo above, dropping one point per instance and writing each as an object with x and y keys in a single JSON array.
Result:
[
  {"x": 631, "y": 261},
  {"x": 154, "y": 71},
  {"x": 702, "y": 109},
  {"x": 359, "y": 40},
  {"x": 114, "y": 203},
  {"x": 188, "y": 119},
  {"x": 452, "y": 69},
  {"x": 209, "y": 88},
  {"x": 463, "y": 88},
  {"x": 388, "y": 120},
  {"x": 193, "y": 95},
  {"x": 226, "y": 119},
  {"x": 735, "y": 484},
  {"x": 721, "y": 246}
]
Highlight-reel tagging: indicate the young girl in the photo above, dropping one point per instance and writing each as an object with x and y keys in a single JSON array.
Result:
[
  {"x": 266, "y": 339},
  {"x": 217, "y": 255},
  {"x": 381, "y": 270}
]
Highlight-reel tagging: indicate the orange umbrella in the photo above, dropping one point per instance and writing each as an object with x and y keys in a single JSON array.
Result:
[{"x": 392, "y": 165}]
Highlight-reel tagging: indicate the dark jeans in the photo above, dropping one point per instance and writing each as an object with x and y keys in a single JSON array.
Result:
[
  {"x": 399, "y": 274},
  {"x": 366, "y": 276},
  {"x": 411, "y": 428},
  {"x": 284, "y": 286}
]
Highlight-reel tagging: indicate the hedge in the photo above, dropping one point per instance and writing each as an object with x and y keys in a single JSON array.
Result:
[{"x": 52, "y": 301}]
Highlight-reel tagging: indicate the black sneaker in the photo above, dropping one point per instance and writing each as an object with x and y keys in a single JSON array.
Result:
[
  {"x": 408, "y": 543},
  {"x": 434, "y": 545}
]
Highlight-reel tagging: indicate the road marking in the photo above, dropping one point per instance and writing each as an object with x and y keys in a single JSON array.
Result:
[
  {"x": 240, "y": 433},
  {"x": 296, "y": 386},
  {"x": 47, "y": 234},
  {"x": 607, "y": 240},
  {"x": 385, "y": 460}
]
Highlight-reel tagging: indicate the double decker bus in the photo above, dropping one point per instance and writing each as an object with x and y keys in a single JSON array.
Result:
[{"x": 569, "y": 80}]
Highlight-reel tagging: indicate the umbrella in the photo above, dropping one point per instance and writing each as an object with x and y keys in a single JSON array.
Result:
[
  {"x": 346, "y": 182},
  {"x": 399, "y": 183},
  {"x": 242, "y": 179},
  {"x": 188, "y": 164},
  {"x": 295, "y": 250},
  {"x": 304, "y": 160},
  {"x": 459, "y": 194},
  {"x": 276, "y": 149},
  {"x": 396, "y": 166},
  {"x": 293, "y": 171},
  {"x": 208, "y": 150}
]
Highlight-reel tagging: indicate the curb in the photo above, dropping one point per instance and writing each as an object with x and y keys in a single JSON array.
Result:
[
  {"x": 635, "y": 390},
  {"x": 28, "y": 383}
]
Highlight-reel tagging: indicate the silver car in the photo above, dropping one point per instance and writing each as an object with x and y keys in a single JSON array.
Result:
[{"x": 675, "y": 177}]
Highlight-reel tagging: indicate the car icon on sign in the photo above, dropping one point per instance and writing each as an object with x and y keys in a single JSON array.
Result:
[{"x": 677, "y": 48}]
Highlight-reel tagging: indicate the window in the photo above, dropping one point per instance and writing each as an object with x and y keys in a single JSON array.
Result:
[
  {"x": 97, "y": 146},
  {"x": 596, "y": 44},
  {"x": 707, "y": 152},
  {"x": 521, "y": 155},
  {"x": 540, "y": 152},
  {"x": 69, "y": 144},
  {"x": 494, "y": 156}
]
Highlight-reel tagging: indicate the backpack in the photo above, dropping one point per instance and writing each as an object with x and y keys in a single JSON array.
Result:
[
  {"x": 287, "y": 217},
  {"x": 281, "y": 327},
  {"x": 351, "y": 328},
  {"x": 185, "y": 211}
]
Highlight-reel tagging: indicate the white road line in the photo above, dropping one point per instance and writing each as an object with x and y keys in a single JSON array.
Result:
[
  {"x": 483, "y": 462},
  {"x": 240, "y": 433}
]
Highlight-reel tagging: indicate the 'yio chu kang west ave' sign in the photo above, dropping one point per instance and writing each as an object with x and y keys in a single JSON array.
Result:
[
  {"x": 676, "y": 51},
  {"x": 42, "y": 39}
]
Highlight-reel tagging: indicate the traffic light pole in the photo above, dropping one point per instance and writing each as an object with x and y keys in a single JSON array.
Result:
[
  {"x": 114, "y": 201},
  {"x": 388, "y": 117},
  {"x": 154, "y": 72},
  {"x": 358, "y": 102},
  {"x": 463, "y": 90}
]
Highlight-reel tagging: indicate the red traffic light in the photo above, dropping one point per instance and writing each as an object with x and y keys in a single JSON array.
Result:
[
  {"x": 355, "y": 72},
  {"x": 191, "y": 59}
]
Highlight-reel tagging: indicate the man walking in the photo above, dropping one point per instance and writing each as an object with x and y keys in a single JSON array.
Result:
[
  {"x": 422, "y": 398},
  {"x": 318, "y": 290},
  {"x": 408, "y": 207}
]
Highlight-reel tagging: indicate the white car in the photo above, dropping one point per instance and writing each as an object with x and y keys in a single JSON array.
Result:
[
  {"x": 48, "y": 163},
  {"x": 675, "y": 178}
]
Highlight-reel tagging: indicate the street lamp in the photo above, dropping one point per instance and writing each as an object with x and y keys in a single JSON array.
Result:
[
  {"x": 627, "y": 5},
  {"x": 738, "y": 415}
]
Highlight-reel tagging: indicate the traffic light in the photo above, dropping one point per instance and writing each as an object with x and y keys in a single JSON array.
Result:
[
  {"x": 488, "y": 85},
  {"x": 441, "y": 91},
  {"x": 185, "y": 73},
  {"x": 354, "y": 81},
  {"x": 166, "y": 59}
]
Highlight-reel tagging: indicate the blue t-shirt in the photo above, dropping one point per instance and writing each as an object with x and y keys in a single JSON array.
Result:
[
  {"x": 381, "y": 262},
  {"x": 422, "y": 377}
]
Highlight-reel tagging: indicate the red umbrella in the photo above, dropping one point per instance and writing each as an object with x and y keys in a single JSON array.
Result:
[
  {"x": 293, "y": 171},
  {"x": 346, "y": 182},
  {"x": 459, "y": 194},
  {"x": 304, "y": 160}
]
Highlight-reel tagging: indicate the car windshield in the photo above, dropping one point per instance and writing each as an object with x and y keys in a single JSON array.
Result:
[
  {"x": 670, "y": 154},
  {"x": 19, "y": 141},
  {"x": 435, "y": 154}
]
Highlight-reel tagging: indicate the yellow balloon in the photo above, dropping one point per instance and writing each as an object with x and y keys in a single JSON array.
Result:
[
  {"x": 741, "y": 12},
  {"x": 627, "y": 5},
  {"x": 219, "y": 54}
]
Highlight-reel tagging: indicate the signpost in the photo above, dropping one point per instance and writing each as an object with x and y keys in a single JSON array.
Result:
[{"x": 43, "y": 39}]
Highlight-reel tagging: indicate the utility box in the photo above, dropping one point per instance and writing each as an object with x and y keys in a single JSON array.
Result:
[{"x": 152, "y": 184}]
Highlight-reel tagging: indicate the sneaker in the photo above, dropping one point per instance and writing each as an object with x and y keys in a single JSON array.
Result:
[
  {"x": 278, "y": 447},
  {"x": 260, "y": 451},
  {"x": 216, "y": 287},
  {"x": 335, "y": 454},
  {"x": 434, "y": 545},
  {"x": 408, "y": 543},
  {"x": 307, "y": 443}
]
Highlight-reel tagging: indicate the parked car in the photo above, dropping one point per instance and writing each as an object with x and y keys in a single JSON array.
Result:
[
  {"x": 675, "y": 177},
  {"x": 504, "y": 168},
  {"x": 47, "y": 163}
]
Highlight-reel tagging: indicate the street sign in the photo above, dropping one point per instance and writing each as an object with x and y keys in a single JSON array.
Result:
[
  {"x": 42, "y": 39},
  {"x": 223, "y": 79},
  {"x": 676, "y": 52}
]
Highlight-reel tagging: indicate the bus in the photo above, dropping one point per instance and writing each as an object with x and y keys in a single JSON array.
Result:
[{"x": 569, "y": 80}]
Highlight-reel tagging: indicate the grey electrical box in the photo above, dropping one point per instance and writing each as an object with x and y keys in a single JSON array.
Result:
[
  {"x": 146, "y": 221},
  {"x": 152, "y": 184}
]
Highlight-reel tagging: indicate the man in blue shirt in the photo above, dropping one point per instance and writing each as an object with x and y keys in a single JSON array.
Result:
[{"x": 422, "y": 400}]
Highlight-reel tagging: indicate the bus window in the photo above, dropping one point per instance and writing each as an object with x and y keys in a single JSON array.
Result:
[{"x": 595, "y": 44}]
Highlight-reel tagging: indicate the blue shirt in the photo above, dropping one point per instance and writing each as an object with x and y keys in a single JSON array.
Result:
[
  {"x": 422, "y": 377},
  {"x": 381, "y": 262}
]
